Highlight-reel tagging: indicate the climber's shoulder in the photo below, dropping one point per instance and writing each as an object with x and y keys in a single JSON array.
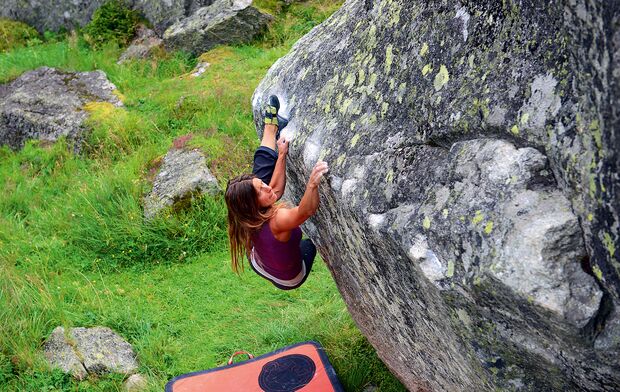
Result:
[{"x": 285, "y": 220}]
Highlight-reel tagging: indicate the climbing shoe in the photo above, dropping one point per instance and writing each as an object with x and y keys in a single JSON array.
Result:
[
  {"x": 282, "y": 122},
  {"x": 271, "y": 111}
]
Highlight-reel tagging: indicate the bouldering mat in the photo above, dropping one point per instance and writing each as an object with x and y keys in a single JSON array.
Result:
[{"x": 301, "y": 367}]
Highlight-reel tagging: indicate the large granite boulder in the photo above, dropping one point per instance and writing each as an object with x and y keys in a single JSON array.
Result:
[
  {"x": 94, "y": 351},
  {"x": 71, "y": 14},
  {"x": 223, "y": 22},
  {"x": 470, "y": 217},
  {"x": 182, "y": 176},
  {"x": 46, "y": 104}
]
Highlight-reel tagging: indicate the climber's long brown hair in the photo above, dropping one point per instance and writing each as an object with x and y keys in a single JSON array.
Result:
[{"x": 245, "y": 216}]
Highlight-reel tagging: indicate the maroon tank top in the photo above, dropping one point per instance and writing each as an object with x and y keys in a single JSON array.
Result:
[{"x": 280, "y": 259}]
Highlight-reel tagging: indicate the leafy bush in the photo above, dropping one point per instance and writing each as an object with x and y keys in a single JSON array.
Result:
[
  {"x": 112, "y": 22},
  {"x": 15, "y": 34}
]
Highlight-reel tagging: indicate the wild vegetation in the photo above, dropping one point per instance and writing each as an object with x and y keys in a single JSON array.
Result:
[
  {"x": 15, "y": 34},
  {"x": 75, "y": 251}
]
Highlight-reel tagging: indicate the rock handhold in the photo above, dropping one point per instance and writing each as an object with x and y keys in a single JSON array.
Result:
[
  {"x": 223, "y": 22},
  {"x": 142, "y": 46},
  {"x": 94, "y": 351},
  {"x": 46, "y": 104},
  {"x": 183, "y": 174}
]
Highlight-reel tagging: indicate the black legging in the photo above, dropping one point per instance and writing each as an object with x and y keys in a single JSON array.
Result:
[{"x": 308, "y": 252}]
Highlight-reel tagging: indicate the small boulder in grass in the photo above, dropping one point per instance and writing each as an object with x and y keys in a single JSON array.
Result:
[
  {"x": 143, "y": 46},
  {"x": 60, "y": 354},
  {"x": 90, "y": 351},
  {"x": 46, "y": 104},
  {"x": 182, "y": 176},
  {"x": 136, "y": 383}
]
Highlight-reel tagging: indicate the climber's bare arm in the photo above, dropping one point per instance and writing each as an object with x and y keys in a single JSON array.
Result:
[
  {"x": 286, "y": 219},
  {"x": 278, "y": 179}
]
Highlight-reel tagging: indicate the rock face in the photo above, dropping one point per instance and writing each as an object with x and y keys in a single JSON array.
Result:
[
  {"x": 470, "y": 217},
  {"x": 223, "y": 22},
  {"x": 46, "y": 104},
  {"x": 142, "y": 46},
  {"x": 70, "y": 14},
  {"x": 164, "y": 13},
  {"x": 183, "y": 174},
  {"x": 95, "y": 351}
]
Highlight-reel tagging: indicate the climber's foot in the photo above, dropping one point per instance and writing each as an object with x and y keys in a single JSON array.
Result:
[{"x": 271, "y": 111}]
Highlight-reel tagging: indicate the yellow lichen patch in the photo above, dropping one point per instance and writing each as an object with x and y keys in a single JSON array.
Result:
[
  {"x": 488, "y": 228},
  {"x": 355, "y": 139},
  {"x": 339, "y": 99},
  {"x": 345, "y": 105},
  {"x": 515, "y": 130},
  {"x": 592, "y": 186},
  {"x": 478, "y": 217},
  {"x": 371, "y": 41},
  {"x": 597, "y": 272},
  {"x": 327, "y": 108},
  {"x": 445, "y": 212},
  {"x": 450, "y": 272},
  {"x": 470, "y": 61},
  {"x": 401, "y": 92},
  {"x": 590, "y": 217},
  {"x": 340, "y": 159},
  {"x": 596, "y": 134},
  {"x": 388, "y": 59},
  {"x": 524, "y": 118},
  {"x": 389, "y": 177},
  {"x": 609, "y": 244},
  {"x": 424, "y": 49},
  {"x": 384, "y": 109},
  {"x": 350, "y": 80},
  {"x": 373, "y": 80},
  {"x": 441, "y": 78},
  {"x": 426, "y": 223},
  {"x": 361, "y": 77},
  {"x": 427, "y": 69}
]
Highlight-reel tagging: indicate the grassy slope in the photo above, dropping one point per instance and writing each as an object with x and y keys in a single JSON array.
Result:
[{"x": 75, "y": 251}]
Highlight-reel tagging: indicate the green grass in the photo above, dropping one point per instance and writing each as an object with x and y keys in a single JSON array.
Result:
[{"x": 75, "y": 251}]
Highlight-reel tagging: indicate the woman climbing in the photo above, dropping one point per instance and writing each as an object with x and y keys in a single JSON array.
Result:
[{"x": 267, "y": 232}]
